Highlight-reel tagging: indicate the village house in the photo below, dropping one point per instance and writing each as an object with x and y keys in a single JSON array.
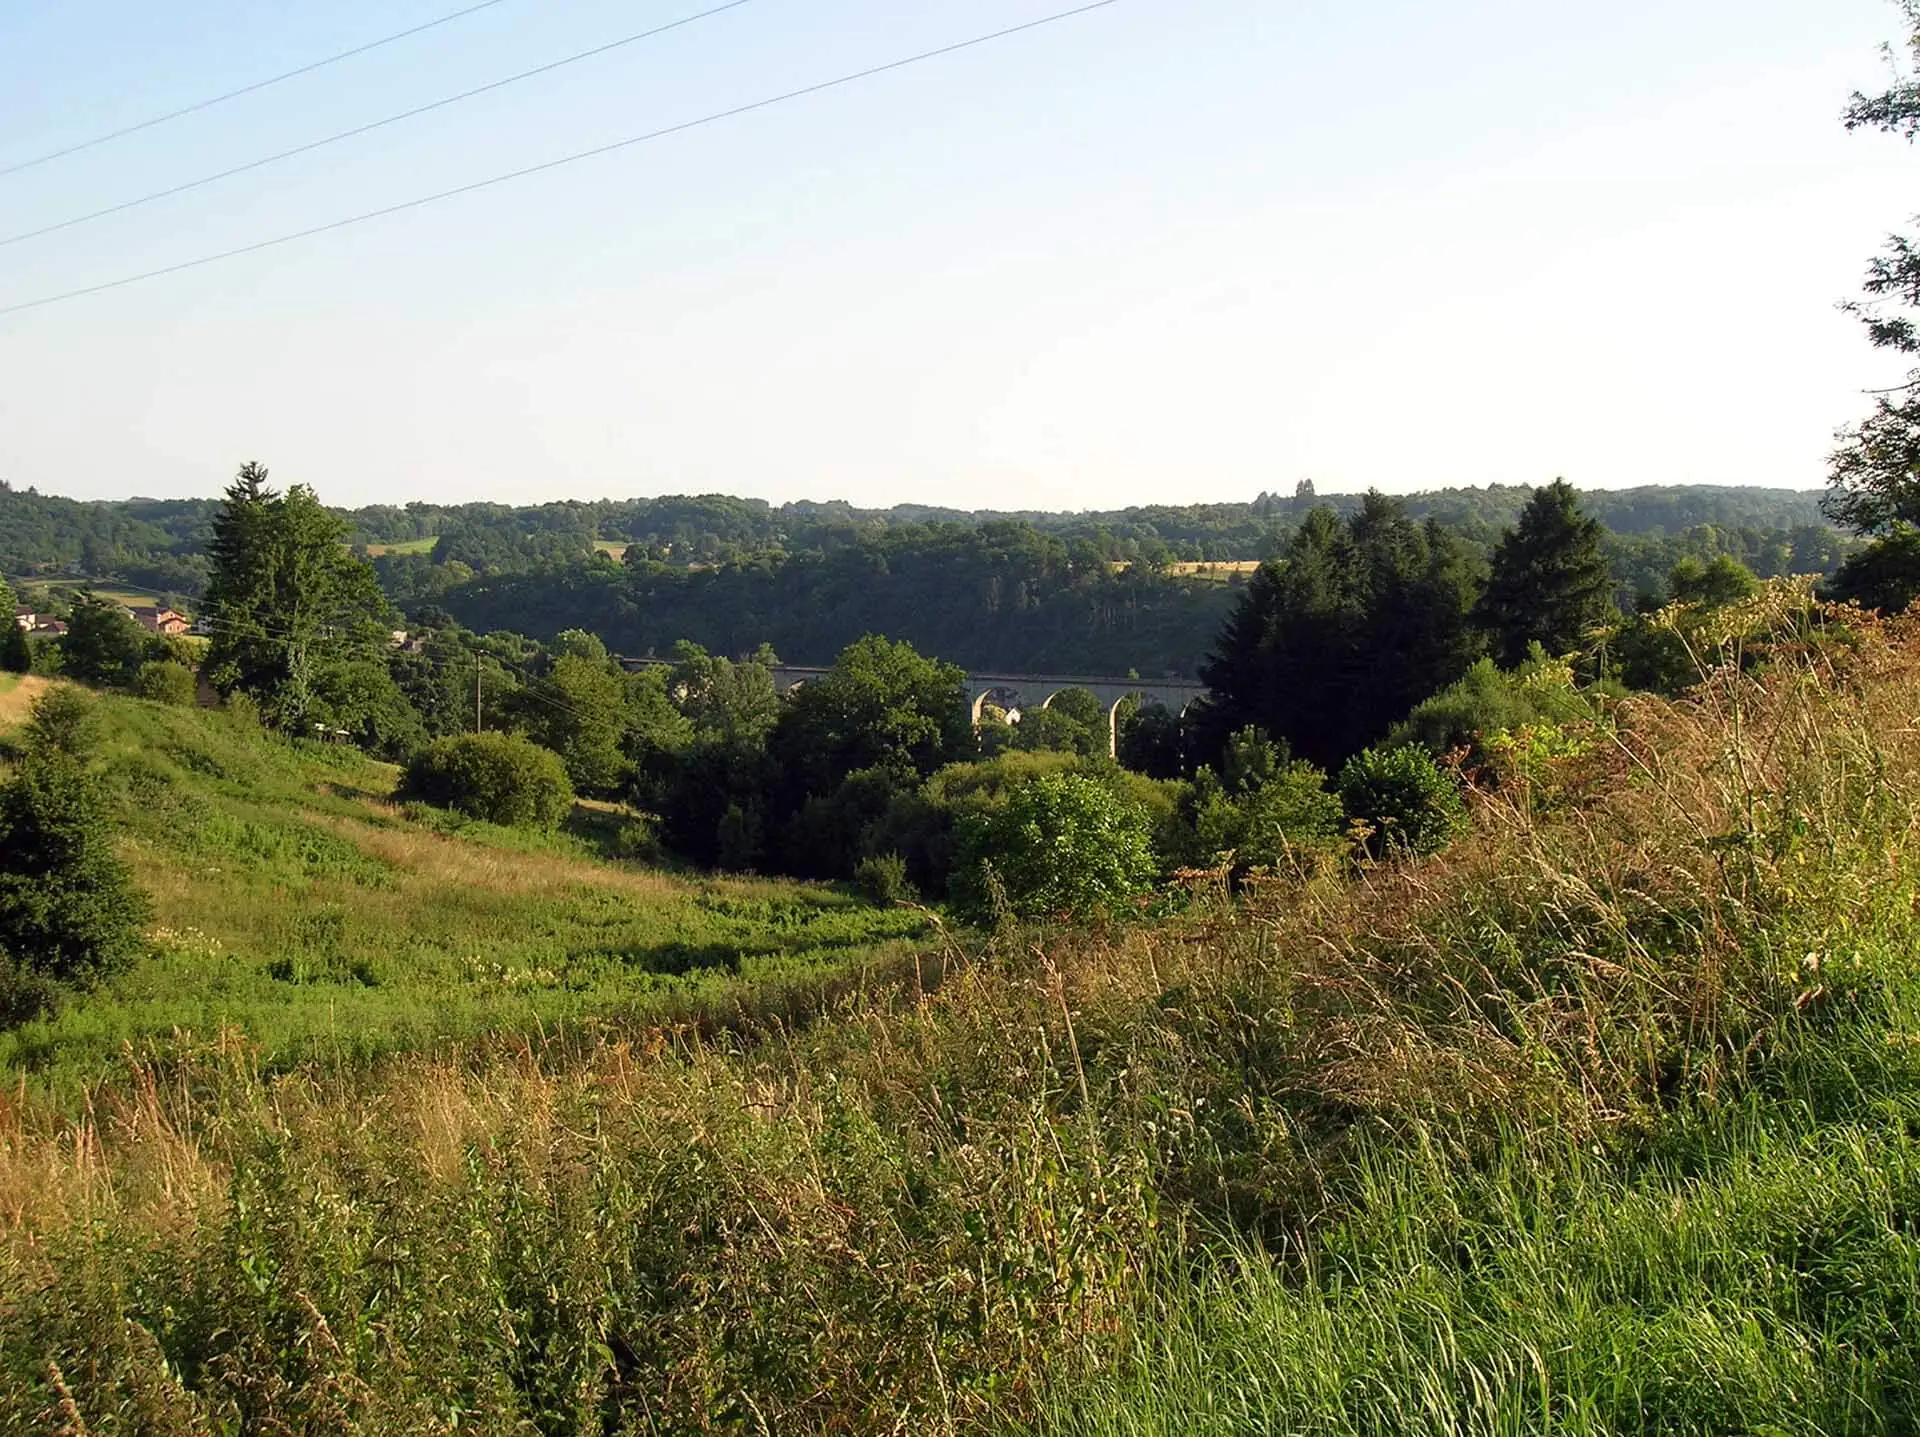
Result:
[
  {"x": 41, "y": 625},
  {"x": 157, "y": 619}
]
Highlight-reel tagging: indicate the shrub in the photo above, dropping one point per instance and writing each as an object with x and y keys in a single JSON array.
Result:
[
  {"x": 1488, "y": 700},
  {"x": 64, "y": 721},
  {"x": 498, "y": 777},
  {"x": 1063, "y": 844},
  {"x": 1289, "y": 814},
  {"x": 883, "y": 878},
  {"x": 1410, "y": 802},
  {"x": 16, "y": 649},
  {"x": 165, "y": 682}
]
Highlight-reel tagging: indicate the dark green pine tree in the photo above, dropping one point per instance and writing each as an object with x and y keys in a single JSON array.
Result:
[
  {"x": 1338, "y": 639},
  {"x": 1289, "y": 653},
  {"x": 69, "y": 910},
  {"x": 1550, "y": 582},
  {"x": 239, "y": 600}
]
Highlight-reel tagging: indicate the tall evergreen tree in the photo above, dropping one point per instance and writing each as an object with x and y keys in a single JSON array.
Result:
[
  {"x": 287, "y": 600},
  {"x": 69, "y": 910},
  {"x": 1338, "y": 639},
  {"x": 1550, "y": 581}
]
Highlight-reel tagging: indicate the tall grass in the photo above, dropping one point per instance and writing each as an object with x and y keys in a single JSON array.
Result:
[{"x": 1605, "y": 1121}]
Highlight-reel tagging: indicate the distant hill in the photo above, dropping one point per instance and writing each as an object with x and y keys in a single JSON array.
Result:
[{"x": 1036, "y": 591}]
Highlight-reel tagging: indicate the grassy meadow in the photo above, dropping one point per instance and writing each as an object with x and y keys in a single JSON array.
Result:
[
  {"x": 1607, "y": 1120},
  {"x": 405, "y": 546},
  {"x": 296, "y": 903}
]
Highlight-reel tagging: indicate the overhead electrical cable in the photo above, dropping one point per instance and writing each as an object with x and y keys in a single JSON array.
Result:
[
  {"x": 564, "y": 160},
  {"x": 368, "y": 128},
  {"x": 254, "y": 88}
]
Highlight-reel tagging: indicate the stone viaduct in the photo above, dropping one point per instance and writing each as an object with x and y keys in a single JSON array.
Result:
[
  {"x": 1029, "y": 691},
  {"x": 1024, "y": 691}
]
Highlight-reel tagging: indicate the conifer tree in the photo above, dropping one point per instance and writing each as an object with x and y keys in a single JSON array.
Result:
[
  {"x": 69, "y": 910},
  {"x": 1340, "y": 637},
  {"x": 287, "y": 600},
  {"x": 1550, "y": 582}
]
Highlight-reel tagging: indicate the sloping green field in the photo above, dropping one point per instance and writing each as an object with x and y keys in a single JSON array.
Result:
[{"x": 295, "y": 901}]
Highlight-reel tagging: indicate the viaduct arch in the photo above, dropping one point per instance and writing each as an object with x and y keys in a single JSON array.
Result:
[
  {"x": 1026, "y": 690},
  {"x": 1031, "y": 691}
]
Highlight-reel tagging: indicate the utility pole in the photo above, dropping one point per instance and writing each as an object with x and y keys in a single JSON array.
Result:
[{"x": 476, "y": 693}]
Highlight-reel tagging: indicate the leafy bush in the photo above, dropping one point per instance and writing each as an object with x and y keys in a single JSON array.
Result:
[
  {"x": 1063, "y": 844},
  {"x": 499, "y": 777},
  {"x": 1885, "y": 575},
  {"x": 1409, "y": 802},
  {"x": 883, "y": 878},
  {"x": 165, "y": 682},
  {"x": 1489, "y": 700},
  {"x": 1289, "y": 814},
  {"x": 64, "y": 721}
]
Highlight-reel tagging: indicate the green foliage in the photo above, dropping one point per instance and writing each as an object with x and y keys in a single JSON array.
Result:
[
  {"x": 1264, "y": 810},
  {"x": 287, "y": 599},
  {"x": 579, "y": 709},
  {"x": 360, "y": 697},
  {"x": 16, "y": 651},
  {"x": 883, "y": 878},
  {"x": 1374, "y": 610},
  {"x": 1712, "y": 583},
  {"x": 1874, "y": 477},
  {"x": 1489, "y": 700},
  {"x": 501, "y": 778},
  {"x": 1152, "y": 740},
  {"x": 1060, "y": 845},
  {"x": 833, "y": 833},
  {"x": 1585, "y": 1128},
  {"x": 881, "y": 705},
  {"x": 1549, "y": 582},
  {"x": 70, "y": 914},
  {"x": 293, "y": 902},
  {"x": 1885, "y": 575},
  {"x": 65, "y": 720},
  {"x": 162, "y": 681},
  {"x": 1071, "y": 721},
  {"x": 1047, "y": 730},
  {"x": 104, "y": 644},
  {"x": 1410, "y": 804}
]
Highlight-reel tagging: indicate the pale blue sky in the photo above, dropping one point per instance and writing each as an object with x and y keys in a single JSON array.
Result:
[{"x": 1171, "y": 251}]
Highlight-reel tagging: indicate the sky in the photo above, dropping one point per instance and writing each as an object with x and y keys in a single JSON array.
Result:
[{"x": 1170, "y": 251}]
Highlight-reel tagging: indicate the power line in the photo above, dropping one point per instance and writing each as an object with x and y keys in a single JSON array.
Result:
[
  {"x": 254, "y": 88},
  {"x": 280, "y": 637},
  {"x": 575, "y": 158},
  {"x": 371, "y": 126}
]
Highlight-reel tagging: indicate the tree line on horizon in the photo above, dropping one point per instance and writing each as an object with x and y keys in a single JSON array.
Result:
[
  {"x": 1028, "y": 592},
  {"x": 1320, "y": 662}
]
